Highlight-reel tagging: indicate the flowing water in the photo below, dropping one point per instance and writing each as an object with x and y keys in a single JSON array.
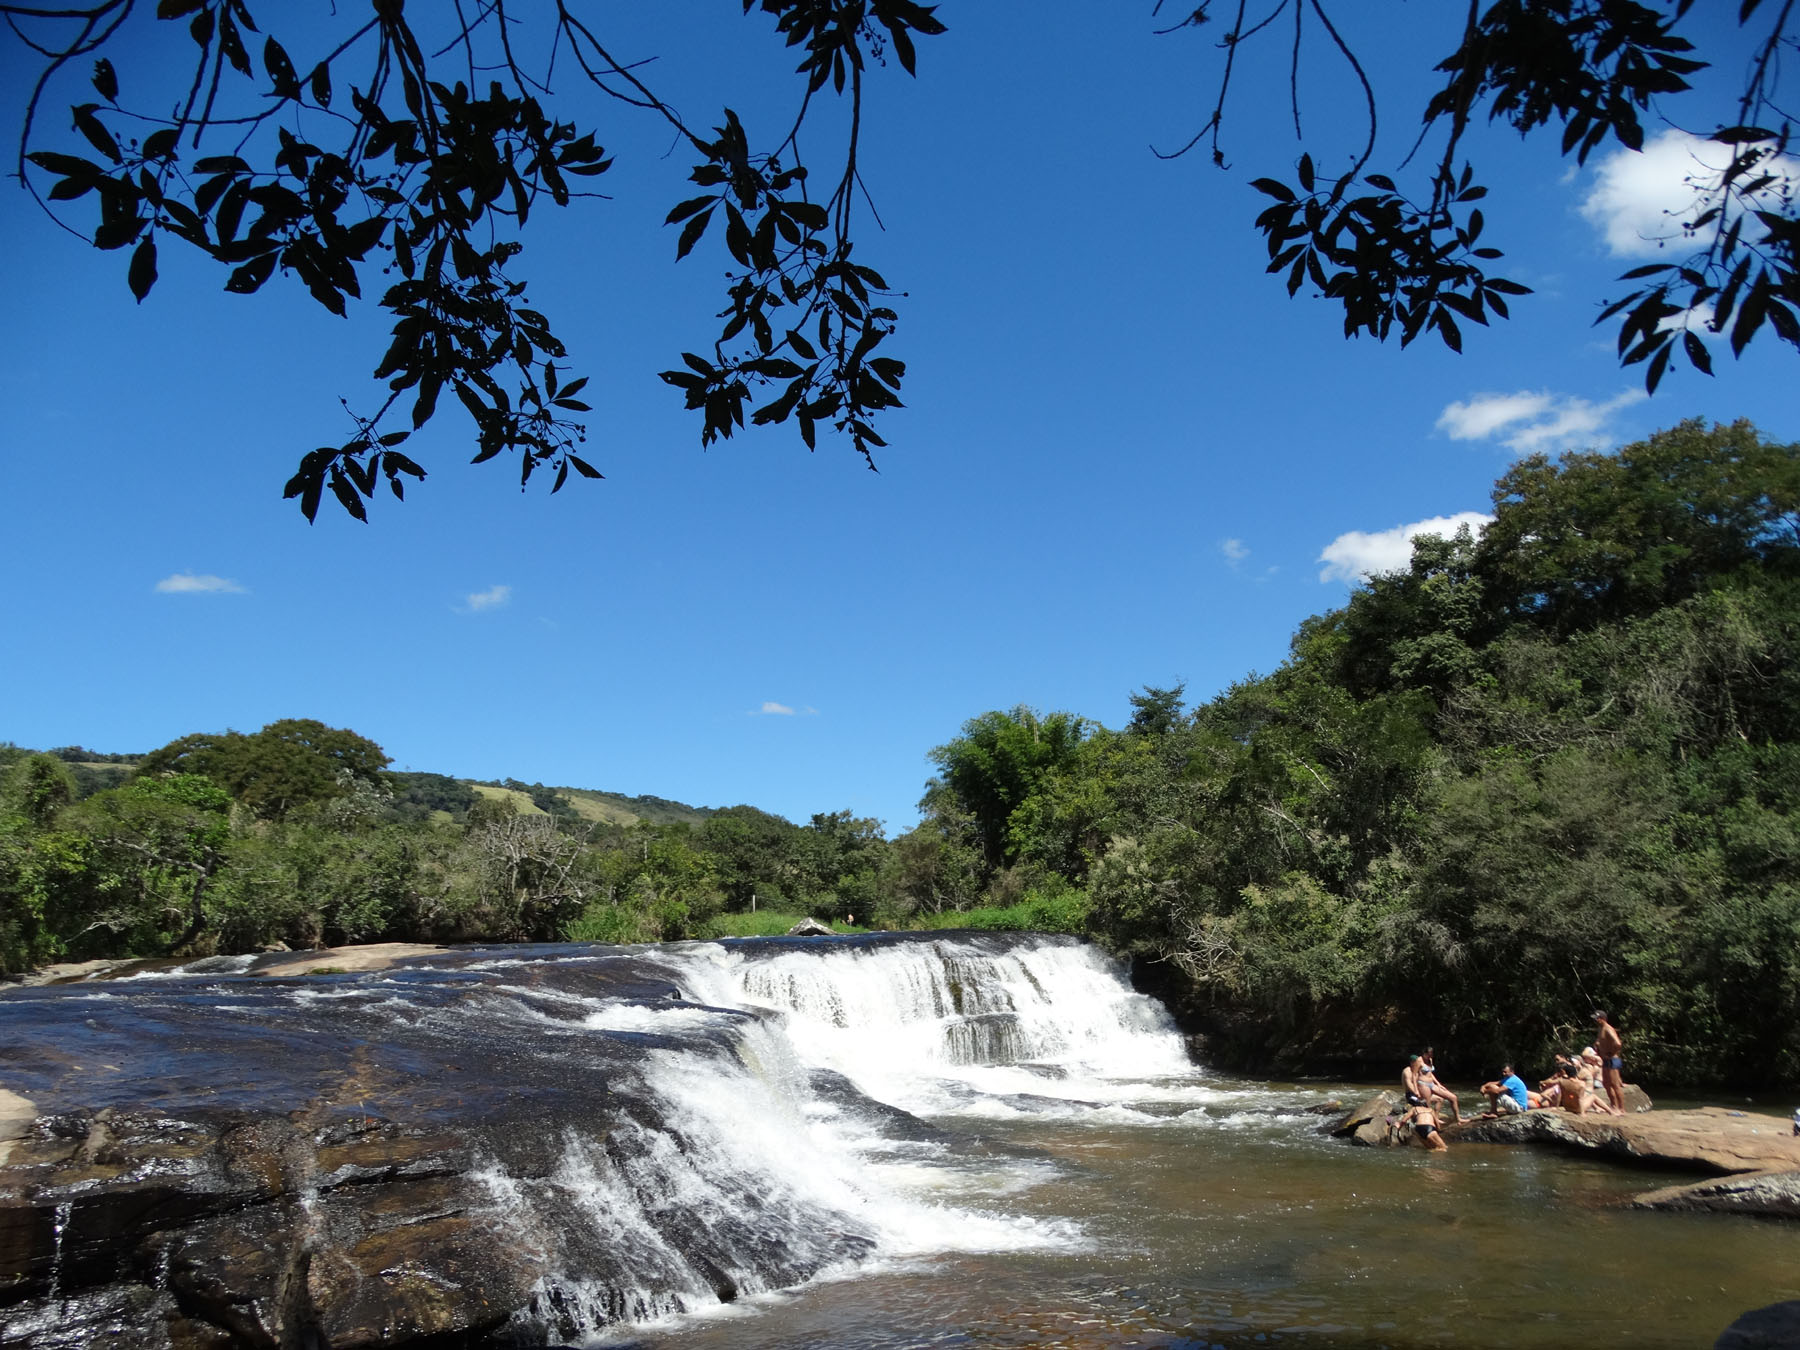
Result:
[
  {"x": 899, "y": 1141},
  {"x": 1088, "y": 1186}
]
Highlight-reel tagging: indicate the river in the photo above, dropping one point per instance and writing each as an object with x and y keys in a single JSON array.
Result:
[
  {"x": 1152, "y": 1203},
  {"x": 890, "y": 1141}
]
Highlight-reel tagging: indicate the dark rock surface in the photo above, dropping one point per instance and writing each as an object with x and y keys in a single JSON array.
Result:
[
  {"x": 1767, "y": 1195},
  {"x": 1367, "y": 1124},
  {"x": 1776, "y": 1327},
  {"x": 363, "y": 1158}
]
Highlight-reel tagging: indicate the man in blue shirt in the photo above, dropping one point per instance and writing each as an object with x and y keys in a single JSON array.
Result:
[{"x": 1509, "y": 1095}]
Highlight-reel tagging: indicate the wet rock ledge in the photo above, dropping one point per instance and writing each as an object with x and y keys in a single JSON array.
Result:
[
  {"x": 1752, "y": 1162},
  {"x": 356, "y": 1149}
]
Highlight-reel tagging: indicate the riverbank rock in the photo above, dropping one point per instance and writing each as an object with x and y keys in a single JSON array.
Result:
[
  {"x": 1758, "y": 1156},
  {"x": 1367, "y": 1124},
  {"x": 810, "y": 928}
]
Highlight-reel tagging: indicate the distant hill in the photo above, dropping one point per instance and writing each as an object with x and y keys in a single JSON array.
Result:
[
  {"x": 623, "y": 810},
  {"x": 96, "y": 770}
]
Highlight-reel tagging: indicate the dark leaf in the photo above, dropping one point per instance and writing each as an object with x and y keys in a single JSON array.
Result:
[
  {"x": 1697, "y": 355},
  {"x": 252, "y": 274},
  {"x": 142, "y": 274},
  {"x": 1740, "y": 135},
  {"x": 690, "y": 234},
  {"x": 106, "y": 80},
  {"x": 280, "y": 68},
  {"x": 683, "y": 210},
  {"x": 346, "y": 495},
  {"x": 1446, "y": 326},
  {"x": 321, "y": 85},
  {"x": 97, "y": 135},
  {"x": 69, "y": 166},
  {"x": 161, "y": 144},
  {"x": 118, "y": 232}
]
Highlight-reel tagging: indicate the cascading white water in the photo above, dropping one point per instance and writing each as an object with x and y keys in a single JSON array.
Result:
[{"x": 778, "y": 1174}]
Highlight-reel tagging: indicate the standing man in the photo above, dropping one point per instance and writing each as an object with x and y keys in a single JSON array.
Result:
[{"x": 1611, "y": 1046}]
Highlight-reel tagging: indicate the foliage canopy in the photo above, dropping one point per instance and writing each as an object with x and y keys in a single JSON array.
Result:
[{"x": 420, "y": 143}]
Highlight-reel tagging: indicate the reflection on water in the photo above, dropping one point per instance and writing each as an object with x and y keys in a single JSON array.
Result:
[{"x": 1232, "y": 1228}]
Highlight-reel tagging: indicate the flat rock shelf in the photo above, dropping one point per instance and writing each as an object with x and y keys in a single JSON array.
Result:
[{"x": 1752, "y": 1161}]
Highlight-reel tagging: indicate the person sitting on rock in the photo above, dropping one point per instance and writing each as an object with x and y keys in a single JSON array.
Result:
[
  {"x": 1424, "y": 1122},
  {"x": 1508, "y": 1095},
  {"x": 1409, "y": 1082},
  {"x": 1432, "y": 1090},
  {"x": 1550, "y": 1089},
  {"x": 1571, "y": 1089}
]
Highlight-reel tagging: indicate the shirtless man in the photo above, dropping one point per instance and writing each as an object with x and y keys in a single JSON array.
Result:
[
  {"x": 1424, "y": 1122},
  {"x": 1409, "y": 1082},
  {"x": 1611, "y": 1046},
  {"x": 1434, "y": 1091}
]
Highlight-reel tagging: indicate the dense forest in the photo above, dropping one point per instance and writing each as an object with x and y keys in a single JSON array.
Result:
[{"x": 1545, "y": 769}]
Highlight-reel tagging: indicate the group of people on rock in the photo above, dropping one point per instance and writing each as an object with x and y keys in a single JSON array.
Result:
[{"x": 1593, "y": 1080}]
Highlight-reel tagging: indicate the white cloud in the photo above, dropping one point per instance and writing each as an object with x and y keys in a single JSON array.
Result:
[
  {"x": 770, "y": 708},
  {"x": 1485, "y": 414},
  {"x": 492, "y": 598},
  {"x": 1640, "y": 198},
  {"x": 1358, "y": 554},
  {"x": 1235, "y": 550},
  {"x": 1535, "y": 421},
  {"x": 190, "y": 583}
]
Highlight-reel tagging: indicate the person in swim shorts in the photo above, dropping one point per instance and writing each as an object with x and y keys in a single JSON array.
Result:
[
  {"x": 1409, "y": 1082},
  {"x": 1611, "y": 1046}
]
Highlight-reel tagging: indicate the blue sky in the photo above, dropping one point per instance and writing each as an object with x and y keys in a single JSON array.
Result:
[{"x": 1127, "y": 458}]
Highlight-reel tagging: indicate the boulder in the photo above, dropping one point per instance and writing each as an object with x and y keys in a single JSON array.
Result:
[
  {"x": 1776, "y": 1327},
  {"x": 1367, "y": 1124},
  {"x": 810, "y": 928},
  {"x": 1768, "y": 1195}
]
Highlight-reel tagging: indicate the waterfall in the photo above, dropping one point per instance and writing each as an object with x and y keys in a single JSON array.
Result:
[
  {"x": 614, "y": 1135},
  {"x": 779, "y": 1157}
]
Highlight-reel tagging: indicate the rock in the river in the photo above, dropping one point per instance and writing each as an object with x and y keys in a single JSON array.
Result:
[
  {"x": 810, "y": 928},
  {"x": 1776, "y": 1327},
  {"x": 1769, "y": 1195},
  {"x": 1712, "y": 1139},
  {"x": 1367, "y": 1124}
]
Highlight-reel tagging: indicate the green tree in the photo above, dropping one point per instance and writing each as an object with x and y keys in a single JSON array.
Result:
[
  {"x": 287, "y": 765},
  {"x": 998, "y": 761},
  {"x": 157, "y": 845},
  {"x": 38, "y": 863}
]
